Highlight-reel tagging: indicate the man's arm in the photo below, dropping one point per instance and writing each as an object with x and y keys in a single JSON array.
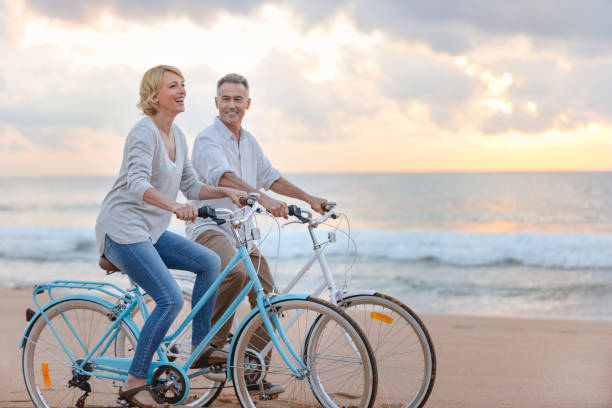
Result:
[
  {"x": 281, "y": 186},
  {"x": 286, "y": 188},
  {"x": 276, "y": 207}
]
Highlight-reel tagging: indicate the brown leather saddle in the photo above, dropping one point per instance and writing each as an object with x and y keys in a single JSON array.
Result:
[{"x": 107, "y": 265}]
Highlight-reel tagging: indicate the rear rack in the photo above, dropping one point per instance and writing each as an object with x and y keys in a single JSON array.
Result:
[{"x": 106, "y": 288}]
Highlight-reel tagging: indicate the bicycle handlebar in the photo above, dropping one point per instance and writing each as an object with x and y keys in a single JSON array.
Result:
[
  {"x": 297, "y": 212},
  {"x": 209, "y": 212},
  {"x": 328, "y": 206},
  {"x": 250, "y": 201}
]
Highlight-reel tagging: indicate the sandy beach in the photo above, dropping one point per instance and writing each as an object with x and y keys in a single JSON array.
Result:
[{"x": 482, "y": 362}]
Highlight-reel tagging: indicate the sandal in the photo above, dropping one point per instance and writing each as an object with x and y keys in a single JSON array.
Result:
[
  {"x": 210, "y": 356},
  {"x": 129, "y": 396}
]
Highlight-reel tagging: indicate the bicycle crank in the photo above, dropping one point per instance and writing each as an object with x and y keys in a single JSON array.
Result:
[{"x": 168, "y": 384}]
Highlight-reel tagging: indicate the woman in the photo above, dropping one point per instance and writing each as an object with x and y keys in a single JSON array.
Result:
[{"x": 131, "y": 226}]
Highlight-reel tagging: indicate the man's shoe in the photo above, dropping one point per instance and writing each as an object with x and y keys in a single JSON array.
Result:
[
  {"x": 216, "y": 375},
  {"x": 268, "y": 388},
  {"x": 211, "y": 355}
]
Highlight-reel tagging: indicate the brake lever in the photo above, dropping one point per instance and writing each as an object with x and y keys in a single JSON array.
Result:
[
  {"x": 219, "y": 221},
  {"x": 296, "y": 211}
]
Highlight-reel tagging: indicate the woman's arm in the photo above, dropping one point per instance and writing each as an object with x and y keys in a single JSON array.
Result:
[
  {"x": 183, "y": 212},
  {"x": 188, "y": 211},
  {"x": 207, "y": 192}
]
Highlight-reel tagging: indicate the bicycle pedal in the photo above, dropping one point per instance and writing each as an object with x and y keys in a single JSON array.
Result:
[
  {"x": 217, "y": 374},
  {"x": 268, "y": 397},
  {"x": 124, "y": 403}
]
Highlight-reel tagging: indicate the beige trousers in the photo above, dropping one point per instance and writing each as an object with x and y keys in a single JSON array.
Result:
[{"x": 237, "y": 279}]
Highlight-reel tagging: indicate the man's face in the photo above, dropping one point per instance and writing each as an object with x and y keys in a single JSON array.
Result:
[{"x": 232, "y": 102}]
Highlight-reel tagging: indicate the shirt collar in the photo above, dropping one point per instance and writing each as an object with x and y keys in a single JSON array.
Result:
[{"x": 225, "y": 131}]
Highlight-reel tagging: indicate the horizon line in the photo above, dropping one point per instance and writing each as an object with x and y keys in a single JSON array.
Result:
[{"x": 343, "y": 173}]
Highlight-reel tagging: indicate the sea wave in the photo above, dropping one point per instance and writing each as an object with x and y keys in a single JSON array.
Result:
[
  {"x": 461, "y": 249},
  {"x": 93, "y": 206},
  {"x": 465, "y": 249},
  {"x": 47, "y": 244}
]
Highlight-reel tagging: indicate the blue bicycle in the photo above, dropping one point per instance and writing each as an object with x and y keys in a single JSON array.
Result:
[{"x": 77, "y": 348}]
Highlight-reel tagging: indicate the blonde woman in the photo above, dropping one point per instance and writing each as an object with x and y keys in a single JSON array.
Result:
[{"x": 131, "y": 227}]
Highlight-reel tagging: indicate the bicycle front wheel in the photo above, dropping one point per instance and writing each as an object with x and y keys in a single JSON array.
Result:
[
  {"x": 404, "y": 352},
  {"x": 340, "y": 367},
  {"x": 48, "y": 371}
]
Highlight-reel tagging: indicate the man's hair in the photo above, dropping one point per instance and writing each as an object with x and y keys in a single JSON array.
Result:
[
  {"x": 149, "y": 86},
  {"x": 234, "y": 79}
]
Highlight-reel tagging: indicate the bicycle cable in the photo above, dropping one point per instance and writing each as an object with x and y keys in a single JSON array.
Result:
[
  {"x": 347, "y": 268},
  {"x": 262, "y": 240}
]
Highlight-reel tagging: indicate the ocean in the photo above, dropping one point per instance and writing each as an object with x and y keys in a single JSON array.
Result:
[{"x": 489, "y": 244}]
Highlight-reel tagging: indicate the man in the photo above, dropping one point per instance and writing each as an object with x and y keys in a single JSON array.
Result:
[{"x": 225, "y": 154}]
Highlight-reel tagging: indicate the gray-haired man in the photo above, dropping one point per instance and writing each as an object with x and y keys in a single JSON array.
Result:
[{"x": 225, "y": 154}]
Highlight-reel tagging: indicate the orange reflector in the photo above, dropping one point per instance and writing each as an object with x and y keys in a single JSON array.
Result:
[
  {"x": 45, "y": 371},
  {"x": 381, "y": 317}
]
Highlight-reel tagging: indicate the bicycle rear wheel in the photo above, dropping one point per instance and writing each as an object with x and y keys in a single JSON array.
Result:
[
  {"x": 341, "y": 370},
  {"x": 47, "y": 369},
  {"x": 404, "y": 352}
]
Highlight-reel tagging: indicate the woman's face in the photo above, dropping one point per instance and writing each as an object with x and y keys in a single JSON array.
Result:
[{"x": 171, "y": 95}]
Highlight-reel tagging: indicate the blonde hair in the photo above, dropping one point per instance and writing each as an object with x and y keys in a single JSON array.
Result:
[{"x": 149, "y": 86}]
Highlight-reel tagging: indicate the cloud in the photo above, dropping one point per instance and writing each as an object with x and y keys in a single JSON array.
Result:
[
  {"x": 322, "y": 73},
  {"x": 450, "y": 27},
  {"x": 457, "y": 27},
  {"x": 82, "y": 12},
  {"x": 52, "y": 96},
  {"x": 417, "y": 74},
  {"x": 278, "y": 85}
]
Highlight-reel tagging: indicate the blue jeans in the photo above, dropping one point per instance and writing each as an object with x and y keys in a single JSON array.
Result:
[{"x": 147, "y": 265}]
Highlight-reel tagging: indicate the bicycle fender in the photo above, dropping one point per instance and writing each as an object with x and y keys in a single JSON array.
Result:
[
  {"x": 274, "y": 300},
  {"x": 91, "y": 298},
  {"x": 367, "y": 292}
]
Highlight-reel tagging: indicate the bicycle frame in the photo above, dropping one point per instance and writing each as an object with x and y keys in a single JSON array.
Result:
[
  {"x": 116, "y": 368},
  {"x": 336, "y": 295}
]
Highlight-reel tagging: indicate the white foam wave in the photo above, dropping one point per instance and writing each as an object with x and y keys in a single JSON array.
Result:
[{"x": 548, "y": 250}]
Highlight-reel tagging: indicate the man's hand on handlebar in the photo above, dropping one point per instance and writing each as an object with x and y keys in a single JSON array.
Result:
[
  {"x": 317, "y": 204},
  {"x": 235, "y": 195}
]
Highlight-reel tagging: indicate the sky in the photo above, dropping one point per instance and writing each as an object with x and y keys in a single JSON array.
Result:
[{"x": 336, "y": 86}]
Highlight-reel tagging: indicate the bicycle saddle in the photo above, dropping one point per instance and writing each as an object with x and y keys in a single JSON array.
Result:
[{"x": 107, "y": 265}]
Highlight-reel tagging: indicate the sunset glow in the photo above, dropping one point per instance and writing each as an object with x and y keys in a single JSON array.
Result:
[{"x": 344, "y": 93}]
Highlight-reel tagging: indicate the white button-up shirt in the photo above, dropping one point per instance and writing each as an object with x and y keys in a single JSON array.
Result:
[{"x": 216, "y": 152}]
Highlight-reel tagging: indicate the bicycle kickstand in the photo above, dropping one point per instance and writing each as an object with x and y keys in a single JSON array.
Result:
[{"x": 81, "y": 401}]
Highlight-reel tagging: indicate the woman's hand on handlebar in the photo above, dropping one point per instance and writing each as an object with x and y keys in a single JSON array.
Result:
[
  {"x": 185, "y": 212},
  {"x": 276, "y": 207},
  {"x": 235, "y": 195}
]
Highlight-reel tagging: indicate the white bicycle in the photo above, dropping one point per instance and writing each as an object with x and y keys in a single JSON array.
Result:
[{"x": 403, "y": 349}]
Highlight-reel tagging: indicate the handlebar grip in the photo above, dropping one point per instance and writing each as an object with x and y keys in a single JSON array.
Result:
[
  {"x": 247, "y": 201},
  {"x": 207, "y": 212},
  {"x": 328, "y": 206},
  {"x": 296, "y": 211}
]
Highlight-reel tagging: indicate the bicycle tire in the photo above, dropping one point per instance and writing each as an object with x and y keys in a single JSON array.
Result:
[
  {"x": 46, "y": 367},
  {"x": 404, "y": 352},
  {"x": 342, "y": 370}
]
